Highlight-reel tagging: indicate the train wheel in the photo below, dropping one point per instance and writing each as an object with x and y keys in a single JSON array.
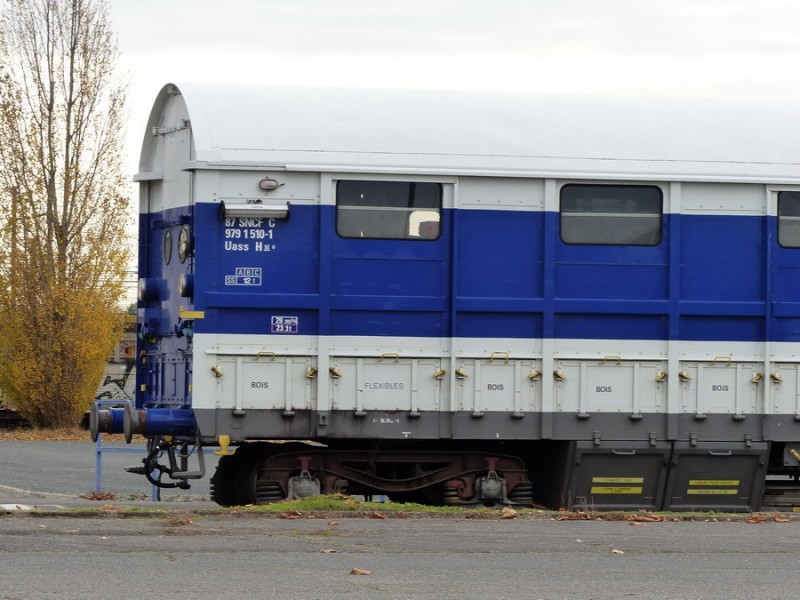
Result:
[
  {"x": 223, "y": 482},
  {"x": 246, "y": 469},
  {"x": 233, "y": 481}
]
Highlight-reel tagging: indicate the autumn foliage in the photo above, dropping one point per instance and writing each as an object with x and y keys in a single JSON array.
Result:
[{"x": 63, "y": 206}]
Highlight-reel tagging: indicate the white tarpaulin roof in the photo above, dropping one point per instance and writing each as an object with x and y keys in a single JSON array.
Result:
[{"x": 340, "y": 129}]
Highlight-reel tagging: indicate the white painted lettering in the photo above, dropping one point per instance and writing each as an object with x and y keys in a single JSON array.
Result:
[
  {"x": 236, "y": 247},
  {"x": 250, "y": 222}
]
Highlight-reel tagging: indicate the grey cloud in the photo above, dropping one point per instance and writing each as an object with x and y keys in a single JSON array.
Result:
[{"x": 446, "y": 28}]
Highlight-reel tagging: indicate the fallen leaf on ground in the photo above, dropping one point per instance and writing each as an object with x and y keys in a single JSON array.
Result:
[
  {"x": 333, "y": 522},
  {"x": 644, "y": 518},
  {"x": 377, "y": 515},
  {"x": 508, "y": 513},
  {"x": 328, "y": 551},
  {"x": 360, "y": 572},
  {"x": 99, "y": 496},
  {"x": 779, "y": 519},
  {"x": 615, "y": 551}
]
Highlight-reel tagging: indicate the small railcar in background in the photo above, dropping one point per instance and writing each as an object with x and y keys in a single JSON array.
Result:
[{"x": 469, "y": 298}]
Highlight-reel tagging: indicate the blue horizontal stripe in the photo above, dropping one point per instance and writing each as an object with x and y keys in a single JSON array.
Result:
[
  {"x": 255, "y": 300},
  {"x": 602, "y": 306},
  {"x": 734, "y": 309},
  {"x": 710, "y": 278},
  {"x": 499, "y": 305}
]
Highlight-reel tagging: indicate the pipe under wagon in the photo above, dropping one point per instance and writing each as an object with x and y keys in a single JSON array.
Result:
[{"x": 467, "y": 298}]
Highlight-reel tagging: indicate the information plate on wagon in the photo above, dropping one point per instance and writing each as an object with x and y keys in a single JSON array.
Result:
[
  {"x": 244, "y": 276},
  {"x": 285, "y": 324}
]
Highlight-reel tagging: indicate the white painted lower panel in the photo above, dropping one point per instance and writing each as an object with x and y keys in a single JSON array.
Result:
[{"x": 489, "y": 375}]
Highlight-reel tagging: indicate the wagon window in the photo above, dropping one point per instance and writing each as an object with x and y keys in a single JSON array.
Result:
[
  {"x": 789, "y": 219},
  {"x": 390, "y": 210},
  {"x": 623, "y": 215}
]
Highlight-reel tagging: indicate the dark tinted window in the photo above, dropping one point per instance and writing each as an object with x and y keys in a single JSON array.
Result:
[
  {"x": 624, "y": 215},
  {"x": 789, "y": 219},
  {"x": 394, "y": 210}
]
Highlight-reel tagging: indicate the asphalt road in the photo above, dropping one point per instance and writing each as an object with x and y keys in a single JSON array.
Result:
[
  {"x": 189, "y": 554},
  {"x": 250, "y": 557},
  {"x": 61, "y": 472}
]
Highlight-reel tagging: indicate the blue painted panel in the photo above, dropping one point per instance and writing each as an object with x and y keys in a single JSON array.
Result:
[
  {"x": 722, "y": 258},
  {"x": 602, "y": 281},
  {"x": 597, "y": 271},
  {"x": 784, "y": 290},
  {"x": 401, "y": 287},
  {"x": 286, "y": 252},
  {"x": 394, "y": 323},
  {"x": 159, "y": 325},
  {"x": 282, "y": 322},
  {"x": 611, "y": 327},
  {"x": 250, "y": 263},
  {"x": 785, "y": 329},
  {"x": 389, "y": 287},
  {"x": 500, "y": 254},
  {"x": 785, "y": 280},
  {"x": 500, "y": 325},
  {"x": 388, "y": 275},
  {"x": 700, "y": 328},
  {"x": 786, "y": 284}
]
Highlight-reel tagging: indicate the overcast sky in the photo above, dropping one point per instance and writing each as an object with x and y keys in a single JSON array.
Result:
[{"x": 708, "y": 48}]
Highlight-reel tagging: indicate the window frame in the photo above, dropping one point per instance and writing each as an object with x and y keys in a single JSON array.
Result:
[
  {"x": 343, "y": 208},
  {"x": 783, "y": 195},
  {"x": 660, "y": 214}
]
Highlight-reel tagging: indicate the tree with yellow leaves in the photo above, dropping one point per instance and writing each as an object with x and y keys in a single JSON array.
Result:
[{"x": 63, "y": 206}]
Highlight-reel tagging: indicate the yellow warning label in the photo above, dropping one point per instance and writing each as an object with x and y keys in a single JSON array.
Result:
[
  {"x": 191, "y": 314},
  {"x": 617, "y": 489},
  {"x": 714, "y": 482},
  {"x": 617, "y": 479},
  {"x": 712, "y": 492}
]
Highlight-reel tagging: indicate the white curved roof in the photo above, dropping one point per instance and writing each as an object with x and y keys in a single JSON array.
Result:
[{"x": 391, "y": 131}]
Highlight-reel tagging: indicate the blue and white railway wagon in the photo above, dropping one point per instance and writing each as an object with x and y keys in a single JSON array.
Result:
[{"x": 470, "y": 298}]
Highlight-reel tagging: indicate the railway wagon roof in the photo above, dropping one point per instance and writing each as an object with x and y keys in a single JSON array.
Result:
[{"x": 443, "y": 132}]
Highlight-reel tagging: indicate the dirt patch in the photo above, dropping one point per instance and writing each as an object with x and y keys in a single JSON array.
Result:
[{"x": 75, "y": 434}]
